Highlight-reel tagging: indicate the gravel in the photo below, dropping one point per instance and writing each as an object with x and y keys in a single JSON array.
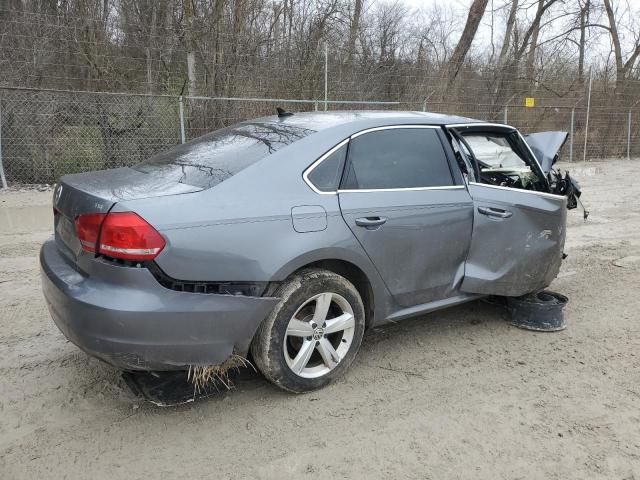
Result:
[{"x": 454, "y": 394}]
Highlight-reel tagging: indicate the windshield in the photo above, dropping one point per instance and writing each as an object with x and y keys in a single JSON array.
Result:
[{"x": 213, "y": 158}]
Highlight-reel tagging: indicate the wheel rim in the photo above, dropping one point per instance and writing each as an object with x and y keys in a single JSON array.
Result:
[{"x": 319, "y": 335}]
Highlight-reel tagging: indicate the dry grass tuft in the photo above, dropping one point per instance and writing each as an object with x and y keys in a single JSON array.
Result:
[{"x": 201, "y": 375}]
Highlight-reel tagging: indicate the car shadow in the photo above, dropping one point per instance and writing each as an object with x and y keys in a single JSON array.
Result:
[
  {"x": 439, "y": 325},
  {"x": 173, "y": 389}
]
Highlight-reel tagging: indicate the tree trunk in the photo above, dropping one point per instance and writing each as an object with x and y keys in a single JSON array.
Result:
[
  {"x": 354, "y": 29},
  {"x": 511, "y": 21},
  {"x": 584, "y": 19},
  {"x": 464, "y": 44},
  {"x": 615, "y": 38},
  {"x": 531, "y": 55},
  {"x": 150, "y": 42},
  {"x": 189, "y": 45}
]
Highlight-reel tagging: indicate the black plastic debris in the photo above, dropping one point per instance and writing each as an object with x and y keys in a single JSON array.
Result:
[
  {"x": 168, "y": 389},
  {"x": 540, "y": 311},
  {"x": 283, "y": 113}
]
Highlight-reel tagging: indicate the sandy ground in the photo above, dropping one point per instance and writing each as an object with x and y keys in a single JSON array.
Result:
[{"x": 454, "y": 394}]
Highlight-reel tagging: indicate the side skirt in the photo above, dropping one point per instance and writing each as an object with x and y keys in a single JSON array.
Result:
[{"x": 431, "y": 307}]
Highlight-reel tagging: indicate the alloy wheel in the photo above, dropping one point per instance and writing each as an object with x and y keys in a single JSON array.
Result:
[{"x": 319, "y": 335}]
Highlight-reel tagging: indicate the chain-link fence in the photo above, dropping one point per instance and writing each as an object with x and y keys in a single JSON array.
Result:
[
  {"x": 48, "y": 134},
  {"x": 45, "y": 133}
]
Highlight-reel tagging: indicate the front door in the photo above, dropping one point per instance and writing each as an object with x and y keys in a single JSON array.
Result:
[
  {"x": 409, "y": 209},
  {"x": 518, "y": 229}
]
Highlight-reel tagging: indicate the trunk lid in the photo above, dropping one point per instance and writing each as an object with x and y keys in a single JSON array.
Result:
[{"x": 98, "y": 192}]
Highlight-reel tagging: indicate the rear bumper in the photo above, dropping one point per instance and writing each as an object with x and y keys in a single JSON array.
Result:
[{"x": 123, "y": 316}]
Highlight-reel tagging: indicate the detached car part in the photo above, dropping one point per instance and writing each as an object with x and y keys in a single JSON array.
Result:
[{"x": 540, "y": 311}]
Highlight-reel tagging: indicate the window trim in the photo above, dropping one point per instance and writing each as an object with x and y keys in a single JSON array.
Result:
[
  {"x": 480, "y": 124},
  {"x": 393, "y": 127},
  {"x": 310, "y": 168},
  {"x": 507, "y": 127},
  {"x": 324, "y": 156},
  {"x": 402, "y": 189},
  {"x": 454, "y": 185}
]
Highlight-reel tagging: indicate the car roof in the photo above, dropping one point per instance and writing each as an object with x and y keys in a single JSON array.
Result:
[{"x": 370, "y": 118}]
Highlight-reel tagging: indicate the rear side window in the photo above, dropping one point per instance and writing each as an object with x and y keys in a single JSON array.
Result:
[
  {"x": 397, "y": 158},
  {"x": 217, "y": 156},
  {"x": 326, "y": 175}
]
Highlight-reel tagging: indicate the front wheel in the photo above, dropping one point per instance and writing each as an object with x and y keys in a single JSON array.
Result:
[{"x": 313, "y": 334}]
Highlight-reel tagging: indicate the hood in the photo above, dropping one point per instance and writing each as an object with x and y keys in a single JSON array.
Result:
[{"x": 546, "y": 147}]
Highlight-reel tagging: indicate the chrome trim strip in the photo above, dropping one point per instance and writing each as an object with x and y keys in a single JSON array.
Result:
[
  {"x": 305, "y": 174},
  {"x": 544, "y": 194},
  {"x": 392, "y": 127},
  {"x": 408, "y": 189},
  {"x": 480, "y": 124}
]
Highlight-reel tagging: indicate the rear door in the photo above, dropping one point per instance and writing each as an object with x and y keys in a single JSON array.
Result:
[
  {"x": 518, "y": 233},
  {"x": 409, "y": 209}
]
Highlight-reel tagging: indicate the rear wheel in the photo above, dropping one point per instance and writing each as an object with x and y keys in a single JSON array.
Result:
[{"x": 313, "y": 334}]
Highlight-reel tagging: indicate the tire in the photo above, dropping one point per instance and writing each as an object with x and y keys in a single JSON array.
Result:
[{"x": 295, "y": 355}]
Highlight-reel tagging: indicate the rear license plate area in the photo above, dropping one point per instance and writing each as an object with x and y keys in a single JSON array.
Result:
[{"x": 66, "y": 232}]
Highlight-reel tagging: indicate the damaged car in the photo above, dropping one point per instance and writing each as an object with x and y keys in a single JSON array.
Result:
[{"x": 282, "y": 239}]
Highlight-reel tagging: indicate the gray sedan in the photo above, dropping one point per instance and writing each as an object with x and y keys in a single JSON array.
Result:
[{"x": 285, "y": 237}]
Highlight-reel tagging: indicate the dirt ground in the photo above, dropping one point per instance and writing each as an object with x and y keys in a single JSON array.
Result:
[{"x": 454, "y": 394}]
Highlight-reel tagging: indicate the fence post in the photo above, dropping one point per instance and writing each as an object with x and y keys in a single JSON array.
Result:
[
  {"x": 629, "y": 136},
  {"x": 326, "y": 75},
  {"x": 424, "y": 105},
  {"x": 182, "y": 139},
  {"x": 506, "y": 115},
  {"x": 315, "y": 106},
  {"x": 2, "y": 177},
  {"x": 573, "y": 115},
  {"x": 586, "y": 127}
]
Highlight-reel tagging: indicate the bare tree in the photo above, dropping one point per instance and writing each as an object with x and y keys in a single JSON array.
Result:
[
  {"x": 506, "y": 43},
  {"x": 354, "y": 29},
  {"x": 585, "y": 7},
  {"x": 623, "y": 67},
  {"x": 189, "y": 44},
  {"x": 476, "y": 11}
]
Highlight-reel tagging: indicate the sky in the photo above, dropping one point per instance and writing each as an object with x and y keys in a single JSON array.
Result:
[{"x": 599, "y": 47}]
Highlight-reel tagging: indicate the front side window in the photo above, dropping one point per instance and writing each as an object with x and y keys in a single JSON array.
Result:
[
  {"x": 503, "y": 160},
  {"x": 397, "y": 158}
]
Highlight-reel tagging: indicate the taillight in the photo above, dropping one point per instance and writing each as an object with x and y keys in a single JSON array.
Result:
[
  {"x": 123, "y": 235},
  {"x": 128, "y": 236},
  {"x": 88, "y": 229}
]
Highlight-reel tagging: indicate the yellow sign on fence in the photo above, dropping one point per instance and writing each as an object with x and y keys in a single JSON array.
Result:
[{"x": 529, "y": 102}]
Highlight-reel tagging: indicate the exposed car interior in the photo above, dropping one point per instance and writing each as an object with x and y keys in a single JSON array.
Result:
[{"x": 502, "y": 159}]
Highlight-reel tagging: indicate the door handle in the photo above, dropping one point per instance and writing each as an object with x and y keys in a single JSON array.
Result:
[
  {"x": 494, "y": 212},
  {"x": 370, "y": 222}
]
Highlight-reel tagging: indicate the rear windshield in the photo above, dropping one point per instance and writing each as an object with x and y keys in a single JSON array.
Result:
[{"x": 213, "y": 158}]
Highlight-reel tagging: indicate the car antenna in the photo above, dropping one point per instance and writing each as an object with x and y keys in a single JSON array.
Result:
[{"x": 283, "y": 113}]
